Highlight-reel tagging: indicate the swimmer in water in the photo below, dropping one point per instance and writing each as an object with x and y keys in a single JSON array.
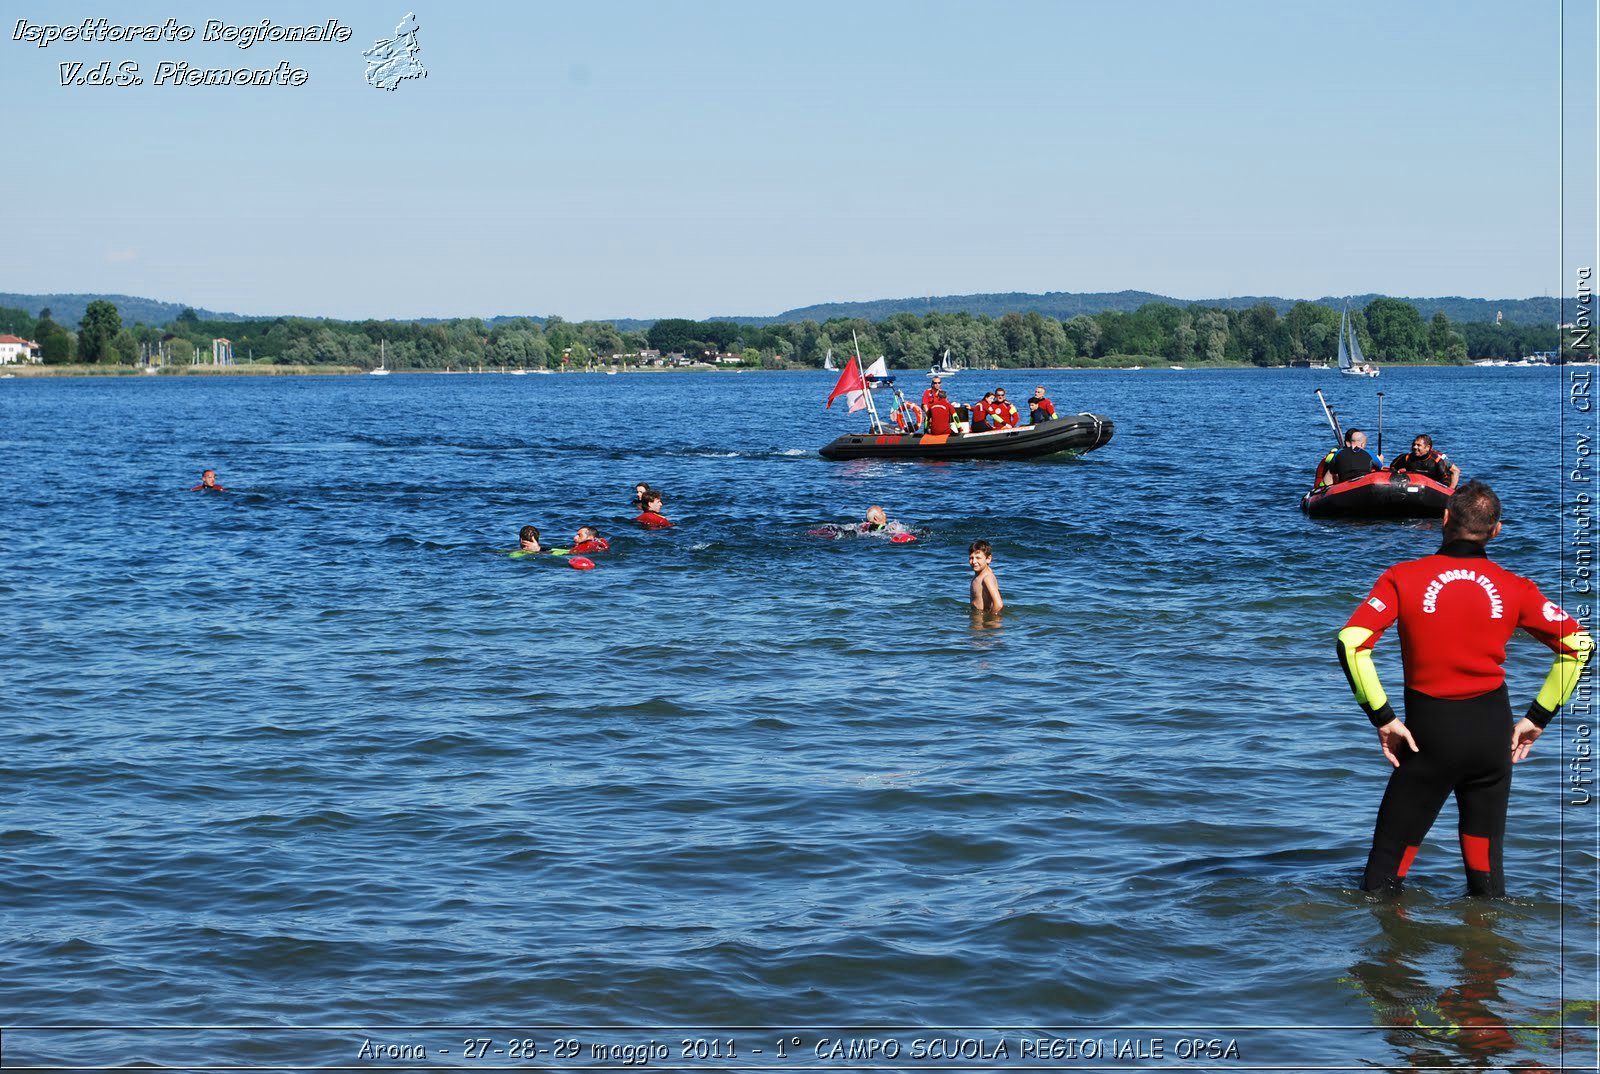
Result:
[
  {"x": 651, "y": 517},
  {"x": 639, "y": 492},
  {"x": 876, "y": 520},
  {"x": 528, "y": 539},
  {"x": 588, "y": 539},
  {"x": 985, "y": 589},
  {"x": 208, "y": 483}
]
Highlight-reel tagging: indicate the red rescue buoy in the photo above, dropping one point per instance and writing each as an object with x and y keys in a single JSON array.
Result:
[
  {"x": 902, "y": 538},
  {"x": 580, "y": 563}
]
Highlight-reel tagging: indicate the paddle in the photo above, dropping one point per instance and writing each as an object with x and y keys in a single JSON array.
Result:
[
  {"x": 1380, "y": 425},
  {"x": 1333, "y": 422}
]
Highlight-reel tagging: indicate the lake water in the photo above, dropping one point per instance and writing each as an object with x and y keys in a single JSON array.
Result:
[{"x": 310, "y": 755}]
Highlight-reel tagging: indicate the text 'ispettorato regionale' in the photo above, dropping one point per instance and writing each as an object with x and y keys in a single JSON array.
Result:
[{"x": 177, "y": 72}]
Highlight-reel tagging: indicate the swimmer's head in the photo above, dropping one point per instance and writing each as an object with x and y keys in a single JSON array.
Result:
[
  {"x": 876, "y": 518},
  {"x": 530, "y": 538},
  {"x": 585, "y": 533}
]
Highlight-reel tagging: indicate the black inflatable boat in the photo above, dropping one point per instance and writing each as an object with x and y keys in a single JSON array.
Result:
[{"x": 1074, "y": 433}]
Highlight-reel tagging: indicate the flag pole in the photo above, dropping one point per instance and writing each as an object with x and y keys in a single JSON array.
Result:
[{"x": 872, "y": 410}]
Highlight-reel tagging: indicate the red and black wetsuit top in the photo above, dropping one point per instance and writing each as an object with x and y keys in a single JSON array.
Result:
[
  {"x": 928, "y": 396},
  {"x": 939, "y": 417},
  {"x": 1433, "y": 465},
  {"x": 1005, "y": 414},
  {"x": 980, "y": 415},
  {"x": 652, "y": 521},
  {"x": 208, "y": 488},
  {"x": 1456, "y": 609}
]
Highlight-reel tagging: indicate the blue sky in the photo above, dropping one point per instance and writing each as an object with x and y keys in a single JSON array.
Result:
[{"x": 678, "y": 158}]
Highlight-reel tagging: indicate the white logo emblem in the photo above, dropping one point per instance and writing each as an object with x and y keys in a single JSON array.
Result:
[{"x": 1553, "y": 614}]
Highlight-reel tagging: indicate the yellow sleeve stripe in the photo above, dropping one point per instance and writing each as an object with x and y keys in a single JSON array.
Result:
[
  {"x": 1360, "y": 669},
  {"x": 1564, "y": 672}
]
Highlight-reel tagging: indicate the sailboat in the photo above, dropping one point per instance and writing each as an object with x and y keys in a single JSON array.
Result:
[
  {"x": 381, "y": 371},
  {"x": 827, "y": 362},
  {"x": 1351, "y": 364},
  {"x": 944, "y": 367}
]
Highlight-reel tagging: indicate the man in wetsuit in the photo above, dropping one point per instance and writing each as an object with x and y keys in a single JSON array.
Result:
[
  {"x": 931, "y": 393},
  {"x": 1040, "y": 409},
  {"x": 1349, "y": 462},
  {"x": 1422, "y": 459},
  {"x": 1456, "y": 610}
]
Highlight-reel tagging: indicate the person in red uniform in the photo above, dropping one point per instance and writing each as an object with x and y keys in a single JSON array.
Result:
[
  {"x": 980, "y": 412},
  {"x": 939, "y": 414},
  {"x": 588, "y": 539},
  {"x": 1040, "y": 409},
  {"x": 1456, "y": 610},
  {"x": 1003, "y": 415},
  {"x": 208, "y": 483},
  {"x": 931, "y": 393},
  {"x": 651, "y": 517}
]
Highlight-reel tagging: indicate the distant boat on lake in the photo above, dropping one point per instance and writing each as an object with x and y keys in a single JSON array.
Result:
[
  {"x": 381, "y": 371},
  {"x": 827, "y": 362},
  {"x": 1351, "y": 364},
  {"x": 945, "y": 366}
]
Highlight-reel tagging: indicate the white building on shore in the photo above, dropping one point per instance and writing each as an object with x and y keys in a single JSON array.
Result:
[{"x": 15, "y": 349}]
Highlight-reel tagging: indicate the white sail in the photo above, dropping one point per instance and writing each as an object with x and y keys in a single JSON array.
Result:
[
  {"x": 1355, "y": 348},
  {"x": 1344, "y": 355},
  {"x": 827, "y": 362}
]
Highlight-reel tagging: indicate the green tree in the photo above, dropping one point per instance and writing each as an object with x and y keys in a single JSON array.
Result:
[
  {"x": 97, "y": 331},
  {"x": 188, "y": 317},
  {"x": 1398, "y": 333},
  {"x": 671, "y": 334},
  {"x": 1084, "y": 332},
  {"x": 17, "y": 323},
  {"x": 1444, "y": 344},
  {"x": 55, "y": 346}
]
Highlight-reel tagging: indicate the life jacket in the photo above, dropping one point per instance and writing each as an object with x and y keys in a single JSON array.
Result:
[
  {"x": 1351, "y": 462},
  {"x": 598, "y": 544},
  {"x": 1433, "y": 464},
  {"x": 1007, "y": 414},
  {"x": 652, "y": 521}
]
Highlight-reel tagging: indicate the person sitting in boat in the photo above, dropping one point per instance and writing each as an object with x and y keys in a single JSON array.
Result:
[
  {"x": 980, "y": 412},
  {"x": 651, "y": 517},
  {"x": 1423, "y": 459},
  {"x": 1353, "y": 460},
  {"x": 1040, "y": 409},
  {"x": 932, "y": 393},
  {"x": 940, "y": 414},
  {"x": 1003, "y": 415}
]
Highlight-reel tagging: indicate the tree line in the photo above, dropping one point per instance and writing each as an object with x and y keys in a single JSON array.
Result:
[{"x": 1389, "y": 331}]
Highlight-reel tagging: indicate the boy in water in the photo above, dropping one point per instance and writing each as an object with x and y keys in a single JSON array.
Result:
[
  {"x": 528, "y": 538},
  {"x": 651, "y": 517},
  {"x": 985, "y": 590}
]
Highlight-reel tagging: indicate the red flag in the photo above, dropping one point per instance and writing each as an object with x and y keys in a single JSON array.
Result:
[{"x": 851, "y": 386}]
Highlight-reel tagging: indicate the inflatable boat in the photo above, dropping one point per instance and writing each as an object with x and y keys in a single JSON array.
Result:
[
  {"x": 1380, "y": 494},
  {"x": 1073, "y": 433}
]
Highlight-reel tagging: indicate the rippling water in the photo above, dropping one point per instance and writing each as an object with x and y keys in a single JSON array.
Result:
[{"x": 310, "y": 754}]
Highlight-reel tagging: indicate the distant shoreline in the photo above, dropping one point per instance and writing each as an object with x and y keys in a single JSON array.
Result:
[{"x": 58, "y": 371}]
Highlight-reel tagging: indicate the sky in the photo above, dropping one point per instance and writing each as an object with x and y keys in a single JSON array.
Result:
[{"x": 697, "y": 158}]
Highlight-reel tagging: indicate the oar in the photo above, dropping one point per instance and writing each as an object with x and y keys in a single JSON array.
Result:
[
  {"x": 1380, "y": 425},
  {"x": 1333, "y": 422}
]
